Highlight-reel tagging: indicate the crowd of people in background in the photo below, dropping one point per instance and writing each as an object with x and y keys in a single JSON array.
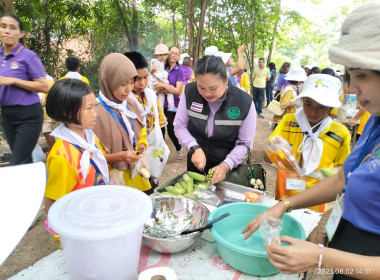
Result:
[
  {"x": 209, "y": 110},
  {"x": 157, "y": 88}
]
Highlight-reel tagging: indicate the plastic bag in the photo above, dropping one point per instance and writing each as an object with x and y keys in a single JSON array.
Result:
[
  {"x": 116, "y": 178},
  {"x": 281, "y": 154},
  {"x": 142, "y": 168},
  {"x": 38, "y": 154},
  {"x": 207, "y": 197},
  {"x": 270, "y": 228},
  {"x": 158, "y": 152}
]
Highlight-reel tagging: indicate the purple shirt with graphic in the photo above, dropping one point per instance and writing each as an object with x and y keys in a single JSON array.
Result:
[
  {"x": 246, "y": 131},
  {"x": 23, "y": 64}
]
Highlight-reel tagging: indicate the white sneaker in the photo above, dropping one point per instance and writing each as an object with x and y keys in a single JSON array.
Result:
[{"x": 180, "y": 154}]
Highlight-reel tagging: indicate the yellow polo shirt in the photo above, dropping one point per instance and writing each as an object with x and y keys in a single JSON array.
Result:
[
  {"x": 363, "y": 120},
  {"x": 261, "y": 76},
  {"x": 336, "y": 147}
]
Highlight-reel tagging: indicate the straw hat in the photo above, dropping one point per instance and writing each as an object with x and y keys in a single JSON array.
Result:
[
  {"x": 324, "y": 89},
  {"x": 161, "y": 49},
  {"x": 296, "y": 73},
  {"x": 359, "y": 44},
  {"x": 212, "y": 50},
  {"x": 224, "y": 56}
]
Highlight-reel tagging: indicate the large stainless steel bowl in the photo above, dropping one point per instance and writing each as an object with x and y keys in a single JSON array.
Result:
[{"x": 172, "y": 215}]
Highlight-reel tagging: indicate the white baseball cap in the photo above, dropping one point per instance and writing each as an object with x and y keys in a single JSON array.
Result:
[
  {"x": 309, "y": 66},
  {"x": 324, "y": 89},
  {"x": 224, "y": 56},
  {"x": 296, "y": 73},
  {"x": 212, "y": 50},
  {"x": 182, "y": 56}
]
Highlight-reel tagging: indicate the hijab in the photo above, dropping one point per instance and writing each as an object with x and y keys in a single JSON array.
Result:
[{"x": 115, "y": 69}]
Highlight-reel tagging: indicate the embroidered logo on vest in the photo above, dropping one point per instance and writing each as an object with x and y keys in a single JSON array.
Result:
[
  {"x": 292, "y": 124},
  {"x": 197, "y": 107},
  {"x": 233, "y": 113}
]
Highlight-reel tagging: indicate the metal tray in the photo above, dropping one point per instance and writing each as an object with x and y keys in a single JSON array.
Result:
[{"x": 226, "y": 192}]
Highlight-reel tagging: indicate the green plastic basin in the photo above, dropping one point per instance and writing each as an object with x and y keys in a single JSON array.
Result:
[{"x": 248, "y": 256}]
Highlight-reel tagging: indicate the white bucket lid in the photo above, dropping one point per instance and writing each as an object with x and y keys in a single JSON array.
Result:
[{"x": 100, "y": 212}]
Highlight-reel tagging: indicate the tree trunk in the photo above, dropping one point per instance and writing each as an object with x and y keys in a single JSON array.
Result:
[
  {"x": 135, "y": 23},
  {"x": 198, "y": 45},
  {"x": 124, "y": 22},
  {"x": 274, "y": 32},
  {"x": 251, "y": 58},
  {"x": 191, "y": 27},
  {"x": 46, "y": 31},
  {"x": 175, "y": 35},
  {"x": 6, "y": 6}
]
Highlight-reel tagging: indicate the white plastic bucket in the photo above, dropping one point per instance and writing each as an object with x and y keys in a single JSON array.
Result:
[{"x": 100, "y": 229}]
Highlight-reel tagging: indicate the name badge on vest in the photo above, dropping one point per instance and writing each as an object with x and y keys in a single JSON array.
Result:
[
  {"x": 196, "y": 107},
  {"x": 295, "y": 183},
  {"x": 336, "y": 215}
]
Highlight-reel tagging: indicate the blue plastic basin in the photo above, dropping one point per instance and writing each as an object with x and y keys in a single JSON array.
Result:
[{"x": 248, "y": 256}]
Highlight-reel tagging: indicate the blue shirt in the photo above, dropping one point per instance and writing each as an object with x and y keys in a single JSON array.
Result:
[
  {"x": 362, "y": 197},
  {"x": 23, "y": 64}
]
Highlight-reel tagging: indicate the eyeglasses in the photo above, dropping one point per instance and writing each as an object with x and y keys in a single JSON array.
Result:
[{"x": 174, "y": 53}]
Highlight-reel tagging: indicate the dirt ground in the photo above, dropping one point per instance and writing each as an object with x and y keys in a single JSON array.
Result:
[{"x": 37, "y": 243}]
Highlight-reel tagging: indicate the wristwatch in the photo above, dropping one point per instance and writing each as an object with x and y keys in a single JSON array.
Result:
[{"x": 193, "y": 148}]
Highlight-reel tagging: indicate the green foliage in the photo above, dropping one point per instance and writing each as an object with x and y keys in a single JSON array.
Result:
[
  {"x": 49, "y": 24},
  {"x": 109, "y": 25}
]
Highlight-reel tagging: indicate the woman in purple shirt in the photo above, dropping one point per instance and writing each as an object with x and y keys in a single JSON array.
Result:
[
  {"x": 281, "y": 79},
  {"x": 22, "y": 76},
  {"x": 215, "y": 122},
  {"x": 175, "y": 87}
]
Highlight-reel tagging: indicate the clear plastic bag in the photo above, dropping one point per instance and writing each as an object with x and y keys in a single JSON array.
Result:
[
  {"x": 141, "y": 168},
  {"x": 116, "y": 178},
  {"x": 270, "y": 228},
  {"x": 281, "y": 154},
  {"x": 207, "y": 197}
]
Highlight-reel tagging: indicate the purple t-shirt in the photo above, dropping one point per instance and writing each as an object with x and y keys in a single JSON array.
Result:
[
  {"x": 187, "y": 72},
  {"x": 175, "y": 75},
  {"x": 362, "y": 196},
  {"x": 23, "y": 64},
  {"x": 281, "y": 80}
]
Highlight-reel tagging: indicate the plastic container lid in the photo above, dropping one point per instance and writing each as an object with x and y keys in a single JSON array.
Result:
[{"x": 100, "y": 212}]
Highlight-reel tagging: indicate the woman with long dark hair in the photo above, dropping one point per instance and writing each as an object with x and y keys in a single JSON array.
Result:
[{"x": 22, "y": 76}]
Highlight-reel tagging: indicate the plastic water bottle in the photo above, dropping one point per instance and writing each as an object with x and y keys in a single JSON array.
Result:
[{"x": 352, "y": 105}]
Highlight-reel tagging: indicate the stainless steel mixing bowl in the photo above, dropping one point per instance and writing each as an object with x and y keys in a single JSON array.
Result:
[{"x": 171, "y": 215}]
